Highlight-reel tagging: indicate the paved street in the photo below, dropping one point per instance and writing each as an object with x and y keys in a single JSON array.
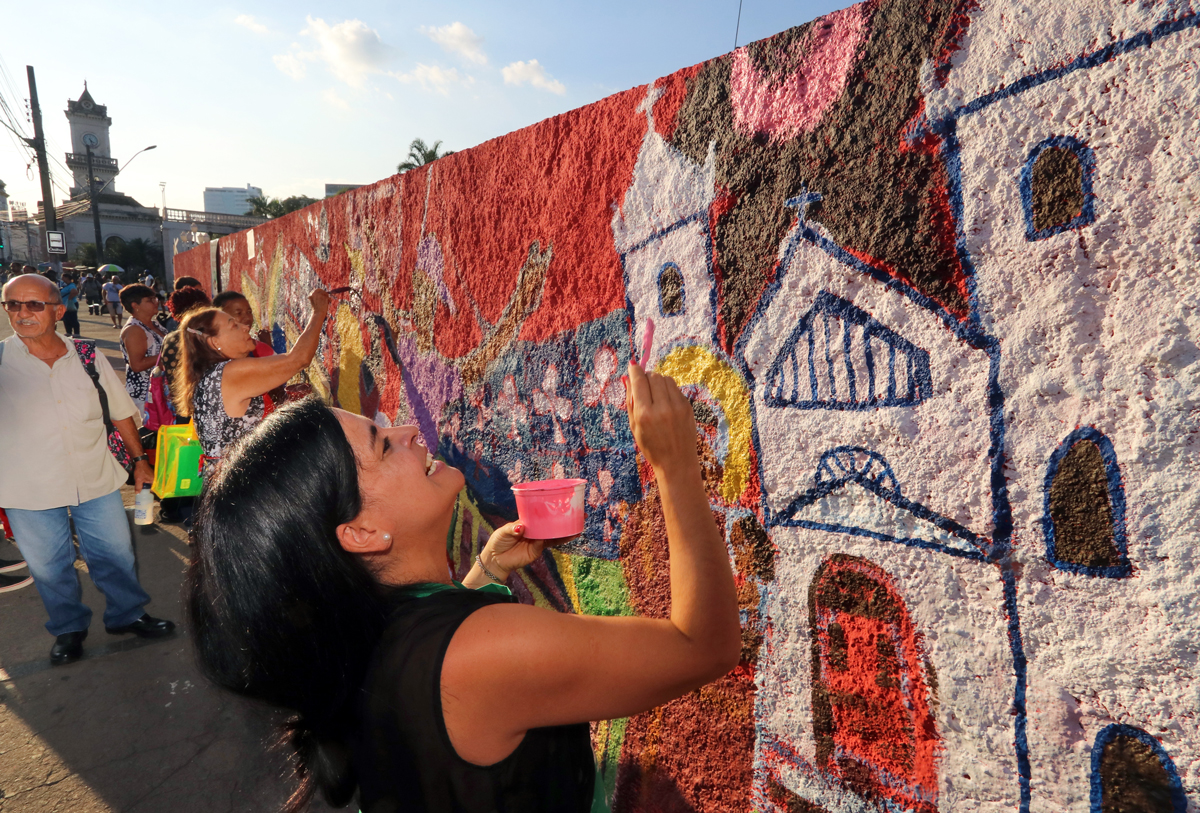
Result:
[{"x": 132, "y": 726}]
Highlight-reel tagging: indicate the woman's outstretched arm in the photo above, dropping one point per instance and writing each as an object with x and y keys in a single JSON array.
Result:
[
  {"x": 511, "y": 667},
  {"x": 245, "y": 378}
]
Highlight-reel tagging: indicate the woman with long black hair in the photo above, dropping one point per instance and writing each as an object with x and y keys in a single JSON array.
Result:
[{"x": 319, "y": 585}]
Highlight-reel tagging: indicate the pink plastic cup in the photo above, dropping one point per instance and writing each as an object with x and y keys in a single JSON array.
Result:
[{"x": 550, "y": 509}]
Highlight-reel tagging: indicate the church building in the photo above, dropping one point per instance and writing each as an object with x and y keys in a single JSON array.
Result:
[{"x": 121, "y": 217}]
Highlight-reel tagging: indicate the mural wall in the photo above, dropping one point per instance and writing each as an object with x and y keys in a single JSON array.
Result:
[{"x": 928, "y": 271}]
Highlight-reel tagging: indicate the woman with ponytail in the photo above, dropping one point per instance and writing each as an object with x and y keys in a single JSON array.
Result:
[
  {"x": 319, "y": 585},
  {"x": 221, "y": 385}
]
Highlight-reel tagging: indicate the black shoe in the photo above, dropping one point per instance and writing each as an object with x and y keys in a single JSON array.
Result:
[
  {"x": 9, "y": 565},
  {"x": 67, "y": 648},
  {"x": 10, "y": 583},
  {"x": 145, "y": 627}
]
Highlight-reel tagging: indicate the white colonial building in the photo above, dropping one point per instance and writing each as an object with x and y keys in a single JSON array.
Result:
[{"x": 121, "y": 217}]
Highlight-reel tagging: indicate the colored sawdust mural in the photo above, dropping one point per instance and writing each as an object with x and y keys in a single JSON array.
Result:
[{"x": 927, "y": 271}]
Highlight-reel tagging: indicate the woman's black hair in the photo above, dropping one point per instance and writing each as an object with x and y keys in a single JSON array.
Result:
[
  {"x": 227, "y": 296},
  {"x": 134, "y": 293},
  {"x": 277, "y": 610}
]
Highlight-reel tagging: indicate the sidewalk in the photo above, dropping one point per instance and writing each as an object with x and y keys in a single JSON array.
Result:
[{"x": 132, "y": 726}]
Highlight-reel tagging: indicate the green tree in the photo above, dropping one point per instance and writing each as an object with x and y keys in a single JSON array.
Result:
[
  {"x": 136, "y": 256},
  {"x": 262, "y": 206},
  {"x": 85, "y": 254},
  {"x": 420, "y": 153}
]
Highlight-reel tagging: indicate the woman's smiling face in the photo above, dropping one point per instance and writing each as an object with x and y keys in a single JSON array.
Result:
[
  {"x": 406, "y": 493},
  {"x": 233, "y": 339}
]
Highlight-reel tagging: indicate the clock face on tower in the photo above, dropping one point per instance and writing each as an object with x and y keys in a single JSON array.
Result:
[
  {"x": 90, "y": 140},
  {"x": 87, "y": 104}
]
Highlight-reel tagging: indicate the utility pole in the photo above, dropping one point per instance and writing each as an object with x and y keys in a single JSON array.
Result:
[
  {"x": 95, "y": 207},
  {"x": 38, "y": 142}
]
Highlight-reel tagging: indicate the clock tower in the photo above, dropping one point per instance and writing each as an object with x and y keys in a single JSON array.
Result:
[{"x": 89, "y": 127}]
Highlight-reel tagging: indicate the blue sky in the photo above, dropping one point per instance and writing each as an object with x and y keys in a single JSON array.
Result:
[{"x": 290, "y": 96}]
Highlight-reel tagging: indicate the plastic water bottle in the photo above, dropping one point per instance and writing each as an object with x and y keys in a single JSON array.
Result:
[{"x": 143, "y": 507}]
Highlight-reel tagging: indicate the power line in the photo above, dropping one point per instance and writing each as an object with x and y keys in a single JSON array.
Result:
[
  {"x": 6, "y": 78},
  {"x": 14, "y": 125}
]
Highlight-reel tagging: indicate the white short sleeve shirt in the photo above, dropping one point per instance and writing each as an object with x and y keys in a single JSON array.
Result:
[{"x": 52, "y": 437}]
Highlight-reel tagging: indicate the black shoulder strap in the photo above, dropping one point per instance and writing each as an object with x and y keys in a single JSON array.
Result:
[{"x": 89, "y": 364}]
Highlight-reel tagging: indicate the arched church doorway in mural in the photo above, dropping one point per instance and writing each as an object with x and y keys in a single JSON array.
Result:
[
  {"x": 872, "y": 687},
  {"x": 1132, "y": 773}
]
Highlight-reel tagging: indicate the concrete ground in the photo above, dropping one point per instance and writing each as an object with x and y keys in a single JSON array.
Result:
[{"x": 133, "y": 727}]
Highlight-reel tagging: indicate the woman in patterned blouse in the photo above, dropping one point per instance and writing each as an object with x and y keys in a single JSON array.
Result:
[
  {"x": 221, "y": 385},
  {"x": 141, "y": 340}
]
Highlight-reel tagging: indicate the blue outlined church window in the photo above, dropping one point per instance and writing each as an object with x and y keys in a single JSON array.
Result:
[
  {"x": 1084, "y": 507},
  {"x": 1056, "y": 187},
  {"x": 846, "y": 464},
  {"x": 671, "y": 298},
  {"x": 1132, "y": 773},
  {"x": 840, "y": 357}
]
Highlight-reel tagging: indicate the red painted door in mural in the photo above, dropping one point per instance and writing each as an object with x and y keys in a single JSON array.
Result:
[{"x": 871, "y": 689}]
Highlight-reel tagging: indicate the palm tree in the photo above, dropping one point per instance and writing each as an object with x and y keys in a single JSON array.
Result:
[
  {"x": 420, "y": 153},
  {"x": 261, "y": 206}
]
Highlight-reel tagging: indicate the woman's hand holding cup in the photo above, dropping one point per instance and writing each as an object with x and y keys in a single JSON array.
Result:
[{"x": 507, "y": 549}]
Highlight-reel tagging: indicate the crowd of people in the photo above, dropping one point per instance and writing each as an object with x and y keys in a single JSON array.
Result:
[
  {"x": 38, "y": 515},
  {"x": 318, "y": 581},
  {"x": 59, "y": 401}
]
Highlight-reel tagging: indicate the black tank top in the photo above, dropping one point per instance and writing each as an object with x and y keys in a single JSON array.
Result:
[{"x": 403, "y": 757}]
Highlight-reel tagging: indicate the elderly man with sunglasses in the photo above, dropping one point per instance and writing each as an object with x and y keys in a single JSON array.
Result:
[{"x": 55, "y": 463}]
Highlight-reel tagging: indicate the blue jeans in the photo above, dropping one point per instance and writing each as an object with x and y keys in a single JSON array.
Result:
[{"x": 44, "y": 538}]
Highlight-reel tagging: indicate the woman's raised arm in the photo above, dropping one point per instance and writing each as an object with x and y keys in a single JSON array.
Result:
[
  {"x": 245, "y": 378},
  {"x": 511, "y": 667}
]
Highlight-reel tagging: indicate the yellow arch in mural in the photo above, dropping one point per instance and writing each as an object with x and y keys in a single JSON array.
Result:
[
  {"x": 694, "y": 364},
  {"x": 350, "y": 358}
]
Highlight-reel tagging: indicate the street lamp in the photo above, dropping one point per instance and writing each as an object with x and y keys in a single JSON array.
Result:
[{"x": 90, "y": 141}]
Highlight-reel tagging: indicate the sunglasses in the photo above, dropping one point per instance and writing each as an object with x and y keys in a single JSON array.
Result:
[{"x": 14, "y": 305}]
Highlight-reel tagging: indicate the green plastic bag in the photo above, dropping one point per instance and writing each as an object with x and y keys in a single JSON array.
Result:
[{"x": 177, "y": 462}]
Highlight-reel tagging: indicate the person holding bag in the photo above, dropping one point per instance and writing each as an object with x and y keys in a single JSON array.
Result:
[{"x": 66, "y": 420}]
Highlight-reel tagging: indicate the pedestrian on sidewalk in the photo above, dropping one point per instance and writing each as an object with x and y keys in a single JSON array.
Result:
[
  {"x": 57, "y": 467},
  {"x": 91, "y": 290},
  {"x": 141, "y": 341},
  {"x": 69, "y": 293},
  {"x": 112, "y": 299}
]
